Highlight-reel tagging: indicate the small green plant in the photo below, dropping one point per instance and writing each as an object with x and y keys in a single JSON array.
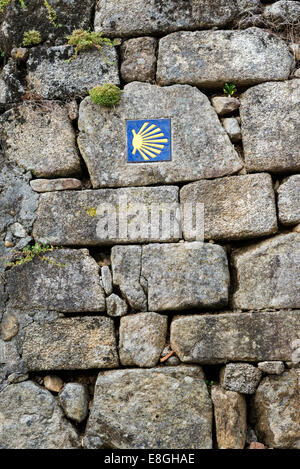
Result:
[
  {"x": 107, "y": 95},
  {"x": 82, "y": 40},
  {"x": 92, "y": 212},
  {"x": 31, "y": 38},
  {"x": 31, "y": 252},
  {"x": 52, "y": 16},
  {"x": 2, "y": 52},
  {"x": 209, "y": 383},
  {"x": 4, "y": 3},
  {"x": 230, "y": 89}
]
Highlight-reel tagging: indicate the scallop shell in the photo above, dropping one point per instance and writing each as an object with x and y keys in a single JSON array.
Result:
[{"x": 148, "y": 141}]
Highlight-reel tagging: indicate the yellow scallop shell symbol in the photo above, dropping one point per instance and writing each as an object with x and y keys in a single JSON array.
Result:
[{"x": 148, "y": 141}]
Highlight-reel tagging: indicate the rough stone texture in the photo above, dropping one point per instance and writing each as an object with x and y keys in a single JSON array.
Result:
[
  {"x": 289, "y": 201},
  {"x": 283, "y": 12},
  {"x": 53, "y": 383},
  {"x": 240, "y": 377},
  {"x": 270, "y": 115},
  {"x": 297, "y": 73},
  {"x": 257, "y": 445},
  {"x": 152, "y": 17},
  {"x": 139, "y": 59},
  {"x": 200, "y": 146},
  {"x": 234, "y": 207},
  {"x": 271, "y": 368},
  {"x": 212, "y": 58},
  {"x": 250, "y": 337},
  {"x": 40, "y": 139},
  {"x": 126, "y": 264},
  {"x": 122, "y": 417},
  {"x": 275, "y": 410},
  {"x": 106, "y": 278},
  {"x": 70, "y": 344},
  {"x": 184, "y": 276},
  {"x": 91, "y": 218},
  {"x": 9, "y": 326},
  {"x": 30, "y": 418},
  {"x": 231, "y": 418},
  {"x": 16, "y": 20},
  {"x": 115, "y": 306},
  {"x": 267, "y": 274},
  {"x": 72, "y": 287},
  {"x": 50, "y": 185},
  {"x": 224, "y": 105},
  {"x": 74, "y": 401},
  {"x": 11, "y": 89},
  {"x": 18, "y": 201},
  {"x": 232, "y": 127},
  {"x": 142, "y": 338},
  {"x": 50, "y": 76}
]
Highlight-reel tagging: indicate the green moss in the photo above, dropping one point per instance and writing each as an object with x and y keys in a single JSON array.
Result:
[
  {"x": 107, "y": 95},
  {"x": 82, "y": 40},
  {"x": 4, "y": 3},
  {"x": 31, "y": 38}
]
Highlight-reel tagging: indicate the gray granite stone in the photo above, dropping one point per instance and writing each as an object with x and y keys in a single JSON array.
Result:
[
  {"x": 50, "y": 185},
  {"x": 240, "y": 377},
  {"x": 74, "y": 399},
  {"x": 139, "y": 59},
  {"x": 271, "y": 368},
  {"x": 116, "y": 306},
  {"x": 289, "y": 201}
]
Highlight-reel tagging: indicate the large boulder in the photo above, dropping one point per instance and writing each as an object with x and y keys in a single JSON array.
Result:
[
  {"x": 152, "y": 17},
  {"x": 235, "y": 337},
  {"x": 235, "y": 207},
  {"x": 67, "y": 280},
  {"x": 70, "y": 344},
  {"x": 270, "y": 116},
  {"x": 40, "y": 138},
  {"x": 267, "y": 272},
  {"x": 30, "y": 418},
  {"x": 275, "y": 410},
  {"x": 212, "y": 58},
  {"x": 50, "y": 75},
  {"x": 159, "y": 408},
  {"x": 200, "y": 147}
]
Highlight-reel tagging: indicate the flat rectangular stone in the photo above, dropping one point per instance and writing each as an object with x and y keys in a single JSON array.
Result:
[
  {"x": 267, "y": 274},
  {"x": 234, "y": 207},
  {"x": 199, "y": 147},
  {"x": 185, "y": 275},
  {"x": 70, "y": 344},
  {"x": 289, "y": 200},
  {"x": 270, "y": 116},
  {"x": 67, "y": 281},
  {"x": 212, "y": 58},
  {"x": 109, "y": 216},
  {"x": 237, "y": 337},
  {"x": 140, "y": 17}
]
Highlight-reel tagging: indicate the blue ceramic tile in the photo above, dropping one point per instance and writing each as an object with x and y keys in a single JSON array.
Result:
[{"x": 149, "y": 141}]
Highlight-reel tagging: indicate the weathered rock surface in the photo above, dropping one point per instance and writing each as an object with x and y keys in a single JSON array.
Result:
[
  {"x": 212, "y": 58},
  {"x": 106, "y": 279},
  {"x": 232, "y": 127},
  {"x": 275, "y": 410},
  {"x": 270, "y": 115},
  {"x": 267, "y": 273},
  {"x": 16, "y": 20},
  {"x": 70, "y": 344},
  {"x": 120, "y": 419},
  {"x": 271, "y": 368},
  {"x": 240, "y": 377},
  {"x": 184, "y": 276},
  {"x": 224, "y": 105},
  {"x": 126, "y": 264},
  {"x": 11, "y": 88},
  {"x": 52, "y": 77},
  {"x": 231, "y": 418},
  {"x": 116, "y": 306},
  {"x": 50, "y": 185},
  {"x": 53, "y": 383},
  {"x": 289, "y": 201},
  {"x": 40, "y": 139},
  {"x": 152, "y": 17},
  {"x": 30, "y": 418},
  {"x": 70, "y": 282},
  {"x": 206, "y": 153},
  {"x": 234, "y": 207},
  {"x": 139, "y": 59},
  {"x": 238, "y": 337},
  {"x": 284, "y": 12},
  {"x": 142, "y": 338},
  {"x": 109, "y": 216},
  {"x": 74, "y": 401},
  {"x": 9, "y": 326}
]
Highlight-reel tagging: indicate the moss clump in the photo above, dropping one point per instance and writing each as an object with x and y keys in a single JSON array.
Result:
[
  {"x": 82, "y": 40},
  {"x": 108, "y": 95},
  {"x": 31, "y": 38}
]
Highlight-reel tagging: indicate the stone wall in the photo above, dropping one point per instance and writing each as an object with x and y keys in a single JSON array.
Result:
[{"x": 151, "y": 337}]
